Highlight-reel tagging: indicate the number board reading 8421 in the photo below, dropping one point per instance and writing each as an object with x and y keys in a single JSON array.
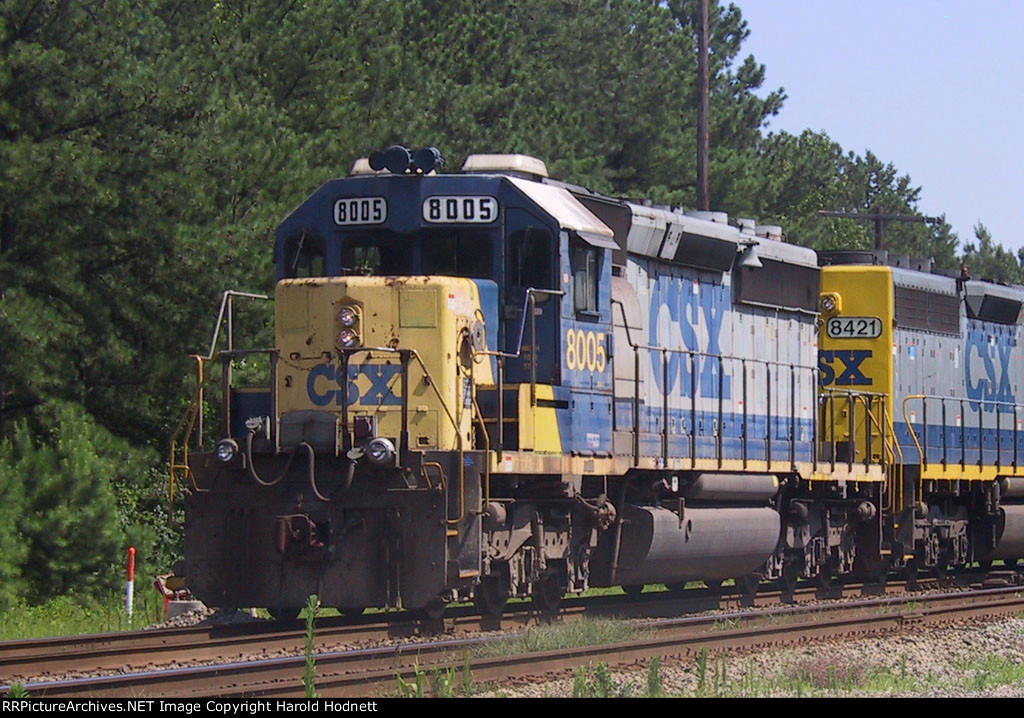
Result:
[{"x": 854, "y": 327}]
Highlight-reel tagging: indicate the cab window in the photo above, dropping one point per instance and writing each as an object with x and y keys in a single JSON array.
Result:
[
  {"x": 305, "y": 258},
  {"x": 384, "y": 255},
  {"x": 585, "y": 272},
  {"x": 530, "y": 259},
  {"x": 460, "y": 254}
]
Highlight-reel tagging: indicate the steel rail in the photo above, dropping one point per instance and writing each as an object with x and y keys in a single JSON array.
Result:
[
  {"x": 43, "y": 657},
  {"x": 363, "y": 671}
]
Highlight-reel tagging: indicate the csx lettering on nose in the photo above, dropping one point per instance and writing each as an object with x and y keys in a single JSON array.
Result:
[{"x": 849, "y": 360}]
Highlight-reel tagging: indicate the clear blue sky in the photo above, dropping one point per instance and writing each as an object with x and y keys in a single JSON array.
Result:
[{"x": 933, "y": 86}]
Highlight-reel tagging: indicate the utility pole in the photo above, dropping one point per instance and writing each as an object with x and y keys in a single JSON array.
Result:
[
  {"x": 703, "y": 92},
  {"x": 880, "y": 219}
]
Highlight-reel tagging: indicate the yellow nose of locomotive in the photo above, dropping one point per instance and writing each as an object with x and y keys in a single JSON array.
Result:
[{"x": 384, "y": 355}]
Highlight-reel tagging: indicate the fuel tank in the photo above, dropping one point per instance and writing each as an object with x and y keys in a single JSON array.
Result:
[
  {"x": 1010, "y": 531},
  {"x": 732, "y": 488},
  {"x": 660, "y": 546}
]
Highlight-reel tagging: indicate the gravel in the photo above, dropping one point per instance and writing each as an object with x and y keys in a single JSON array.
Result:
[
  {"x": 967, "y": 660},
  {"x": 207, "y": 617}
]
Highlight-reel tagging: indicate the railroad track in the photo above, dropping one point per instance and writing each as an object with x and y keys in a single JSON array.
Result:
[
  {"x": 369, "y": 670},
  {"x": 39, "y": 659}
]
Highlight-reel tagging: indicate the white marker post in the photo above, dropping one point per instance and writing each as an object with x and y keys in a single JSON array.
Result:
[{"x": 129, "y": 597}]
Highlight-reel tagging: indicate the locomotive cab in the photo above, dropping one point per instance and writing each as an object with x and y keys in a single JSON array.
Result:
[{"x": 411, "y": 313}]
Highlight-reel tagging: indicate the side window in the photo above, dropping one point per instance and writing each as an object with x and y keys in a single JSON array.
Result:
[
  {"x": 529, "y": 259},
  {"x": 305, "y": 258},
  {"x": 585, "y": 273}
]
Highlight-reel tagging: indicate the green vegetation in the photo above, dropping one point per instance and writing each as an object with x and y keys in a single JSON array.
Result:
[
  {"x": 990, "y": 671},
  {"x": 73, "y": 614},
  {"x": 654, "y": 687},
  {"x": 583, "y": 632},
  {"x": 148, "y": 155},
  {"x": 309, "y": 675},
  {"x": 440, "y": 683},
  {"x": 598, "y": 683},
  {"x": 17, "y": 690},
  {"x": 839, "y": 677}
]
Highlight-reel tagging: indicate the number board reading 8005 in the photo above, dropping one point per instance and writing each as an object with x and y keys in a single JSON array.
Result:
[
  {"x": 475, "y": 209},
  {"x": 361, "y": 210},
  {"x": 854, "y": 327}
]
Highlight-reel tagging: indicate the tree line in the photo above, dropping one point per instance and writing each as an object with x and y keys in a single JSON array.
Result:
[{"x": 148, "y": 148}]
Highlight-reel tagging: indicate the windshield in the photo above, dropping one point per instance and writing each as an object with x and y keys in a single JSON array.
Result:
[{"x": 457, "y": 253}]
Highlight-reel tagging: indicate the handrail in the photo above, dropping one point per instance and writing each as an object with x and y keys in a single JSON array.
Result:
[
  {"x": 898, "y": 473},
  {"x": 892, "y": 452},
  {"x": 405, "y": 411},
  {"x": 829, "y": 396},
  {"x": 192, "y": 418},
  {"x": 487, "y": 452},
  {"x": 184, "y": 428},
  {"x": 529, "y": 303},
  {"x": 191, "y": 421},
  {"x": 226, "y": 305},
  {"x": 983, "y": 405},
  {"x": 692, "y": 355}
]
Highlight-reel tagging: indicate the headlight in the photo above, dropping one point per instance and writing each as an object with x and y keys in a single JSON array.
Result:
[
  {"x": 831, "y": 303},
  {"x": 381, "y": 452},
  {"x": 347, "y": 316},
  {"x": 348, "y": 337},
  {"x": 227, "y": 449}
]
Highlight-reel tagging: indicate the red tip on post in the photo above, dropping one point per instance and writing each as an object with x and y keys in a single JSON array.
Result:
[{"x": 131, "y": 563}]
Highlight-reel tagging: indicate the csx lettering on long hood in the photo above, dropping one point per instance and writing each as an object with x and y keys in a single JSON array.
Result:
[
  {"x": 693, "y": 312},
  {"x": 987, "y": 381}
]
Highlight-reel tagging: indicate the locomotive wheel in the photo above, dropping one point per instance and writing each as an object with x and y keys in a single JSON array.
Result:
[
  {"x": 747, "y": 585},
  {"x": 791, "y": 571},
  {"x": 825, "y": 578},
  {"x": 434, "y": 610},
  {"x": 351, "y": 612},
  {"x": 985, "y": 565},
  {"x": 283, "y": 614},
  {"x": 677, "y": 589},
  {"x": 713, "y": 585},
  {"x": 633, "y": 591},
  {"x": 1010, "y": 562},
  {"x": 491, "y": 596},
  {"x": 546, "y": 594}
]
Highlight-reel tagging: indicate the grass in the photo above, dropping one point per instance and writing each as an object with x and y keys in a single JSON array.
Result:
[
  {"x": 842, "y": 677},
  {"x": 573, "y": 634},
  {"x": 309, "y": 676},
  {"x": 440, "y": 683},
  {"x": 991, "y": 671},
  {"x": 598, "y": 682},
  {"x": 68, "y": 616}
]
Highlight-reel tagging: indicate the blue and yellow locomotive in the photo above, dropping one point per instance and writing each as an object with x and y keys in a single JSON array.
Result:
[
  {"x": 944, "y": 352},
  {"x": 490, "y": 384}
]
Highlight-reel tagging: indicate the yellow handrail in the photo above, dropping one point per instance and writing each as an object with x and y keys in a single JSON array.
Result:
[
  {"x": 182, "y": 432},
  {"x": 898, "y": 485},
  {"x": 487, "y": 453},
  {"x": 922, "y": 456}
]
